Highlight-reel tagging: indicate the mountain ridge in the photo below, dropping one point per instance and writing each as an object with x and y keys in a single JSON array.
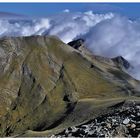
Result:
[
  {"x": 7, "y": 15},
  {"x": 42, "y": 76}
]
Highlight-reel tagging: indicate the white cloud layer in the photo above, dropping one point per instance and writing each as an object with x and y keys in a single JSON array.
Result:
[{"x": 105, "y": 34}]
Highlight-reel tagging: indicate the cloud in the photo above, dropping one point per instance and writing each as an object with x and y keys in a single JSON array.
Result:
[
  {"x": 65, "y": 25},
  {"x": 117, "y": 36},
  {"x": 10, "y": 27},
  {"x": 72, "y": 25},
  {"x": 105, "y": 34},
  {"x": 66, "y": 11}
]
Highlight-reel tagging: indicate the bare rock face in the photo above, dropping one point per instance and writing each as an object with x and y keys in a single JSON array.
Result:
[
  {"x": 121, "y": 62},
  {"x": 79, "y": 44},
  {"x": 76, "y": 44},
  {"x": 45, "y": 84}
]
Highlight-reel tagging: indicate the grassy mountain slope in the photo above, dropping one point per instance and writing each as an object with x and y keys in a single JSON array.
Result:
[{"x": 44, "y": 83}]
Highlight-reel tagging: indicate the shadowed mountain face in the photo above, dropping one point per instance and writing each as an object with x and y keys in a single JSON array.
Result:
[
  {"x": 122, "y": 62},
  {"x": 46, "y": 86}
]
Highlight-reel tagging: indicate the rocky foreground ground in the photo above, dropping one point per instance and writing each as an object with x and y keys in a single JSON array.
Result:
[{"x": 123, "y": 122}]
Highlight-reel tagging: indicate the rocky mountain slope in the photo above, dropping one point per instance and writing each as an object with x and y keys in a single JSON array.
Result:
[
  {"x": 122, "y": 122},
  {"x": 47, "y": 86}
]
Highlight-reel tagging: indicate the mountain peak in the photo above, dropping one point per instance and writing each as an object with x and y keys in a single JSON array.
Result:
[
  {"x": 77, "y": 43},
  {"x": 122, "y": 62}
]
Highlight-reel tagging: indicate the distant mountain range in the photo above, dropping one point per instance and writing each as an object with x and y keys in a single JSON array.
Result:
[{"x": 11, "y": 15}]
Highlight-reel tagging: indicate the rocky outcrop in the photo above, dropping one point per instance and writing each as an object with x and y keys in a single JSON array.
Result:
[
  {"x": 79, "y": 44},
  {"x": 121, "y": 62},
  {"x": 76, "y": 44}
]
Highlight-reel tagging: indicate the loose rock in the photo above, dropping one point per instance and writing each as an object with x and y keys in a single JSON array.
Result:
[{"x": 123, "y": 122}]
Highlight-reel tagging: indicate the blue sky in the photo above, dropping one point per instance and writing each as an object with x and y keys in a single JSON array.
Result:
[{"x": 131, "y": 10}]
